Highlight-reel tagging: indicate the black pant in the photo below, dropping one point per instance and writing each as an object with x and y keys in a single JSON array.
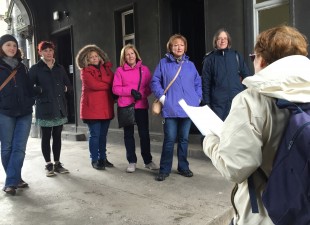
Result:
[
  {"x": 142, "y": 120},
  {"x": 47, "y": 132}
]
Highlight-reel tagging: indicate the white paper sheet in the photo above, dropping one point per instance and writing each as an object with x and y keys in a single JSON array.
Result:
[{"x": 203, "y": 117}]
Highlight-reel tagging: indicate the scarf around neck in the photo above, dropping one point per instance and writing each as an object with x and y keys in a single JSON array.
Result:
[{"x": 12, "y": 62}]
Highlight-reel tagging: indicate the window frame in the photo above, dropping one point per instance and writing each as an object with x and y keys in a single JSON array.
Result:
[
  {"x": 131, "y": 36},
  {"x": 263, "y": 6}
]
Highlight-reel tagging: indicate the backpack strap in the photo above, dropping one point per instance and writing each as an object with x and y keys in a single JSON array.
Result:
[
  {"x": 251, "y": 187},
  {"x": 253, "y": 197}
]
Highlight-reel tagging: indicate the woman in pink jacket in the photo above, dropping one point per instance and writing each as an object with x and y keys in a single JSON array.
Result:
[
  {"x": 97, "y": 103},
  {"x": 125, "y": 85}
]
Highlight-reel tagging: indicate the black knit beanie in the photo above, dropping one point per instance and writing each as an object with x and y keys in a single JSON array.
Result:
[{"x": 6, "y": 38}]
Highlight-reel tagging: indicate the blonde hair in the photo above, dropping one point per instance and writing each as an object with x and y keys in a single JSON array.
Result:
[
  {"x": 281, "y": 41},
  {"x": 86, "y": 58},
  {"x": 172, "y": 38},
  {"x": 122, "y": 60}
]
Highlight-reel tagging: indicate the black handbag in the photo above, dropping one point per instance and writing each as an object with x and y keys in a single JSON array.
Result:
[{"x": 126, "y": 114}]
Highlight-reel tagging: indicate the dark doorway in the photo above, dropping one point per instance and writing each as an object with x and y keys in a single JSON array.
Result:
[
  {"x": 188, "y": 20},
  {"x": 63, "y": 55}
]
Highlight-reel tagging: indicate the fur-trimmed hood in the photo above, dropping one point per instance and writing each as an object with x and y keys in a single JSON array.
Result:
[{"x": 80, "y": 57}]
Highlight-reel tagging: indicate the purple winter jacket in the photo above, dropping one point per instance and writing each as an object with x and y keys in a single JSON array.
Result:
[{"x": 187, "y": 86}]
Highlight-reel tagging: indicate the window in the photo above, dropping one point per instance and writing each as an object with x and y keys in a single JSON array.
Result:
[
  {"x": 128, "y": 27},
  {"x": 269, "y": 13}
]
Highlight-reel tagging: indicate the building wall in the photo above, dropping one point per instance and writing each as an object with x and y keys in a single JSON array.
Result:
[
  {"x": 227, "y": 14},
  {"x": 300, "y": 14}
]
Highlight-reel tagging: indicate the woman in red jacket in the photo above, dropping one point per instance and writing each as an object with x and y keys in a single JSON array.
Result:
[{"x": 97, "y": 103}]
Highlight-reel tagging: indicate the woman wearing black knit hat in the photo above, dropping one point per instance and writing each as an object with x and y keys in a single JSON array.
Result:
[{"x": 16, "y": 101}]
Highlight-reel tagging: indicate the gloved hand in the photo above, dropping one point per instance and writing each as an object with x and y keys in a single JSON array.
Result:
[{"x": 136, "y": 94}]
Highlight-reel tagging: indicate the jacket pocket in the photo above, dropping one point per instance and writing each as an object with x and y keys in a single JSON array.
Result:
[{"x": 44, "y": 107}]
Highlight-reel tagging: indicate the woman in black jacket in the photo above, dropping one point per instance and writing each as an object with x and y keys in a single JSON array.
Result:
[
  {"x": 16, "y": 101},
  {"x": 51, "y": 105}
]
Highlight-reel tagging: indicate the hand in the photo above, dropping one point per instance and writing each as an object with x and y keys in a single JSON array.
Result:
[{"x": 136, "y": 94}]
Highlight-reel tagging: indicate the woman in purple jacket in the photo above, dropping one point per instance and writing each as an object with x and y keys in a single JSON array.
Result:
[
  {"x": 187, "y": 86},
  {"x": 125, "y": 86}
]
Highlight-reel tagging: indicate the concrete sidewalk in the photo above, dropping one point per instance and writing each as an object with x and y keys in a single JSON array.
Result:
[{"x": 114, "y": 197}]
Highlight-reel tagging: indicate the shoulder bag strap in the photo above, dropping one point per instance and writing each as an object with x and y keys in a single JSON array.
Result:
[
  {"x": 175, "y": 77},
  {"x": 7, "y": 80},
  {"x": 140, "y": 78}
]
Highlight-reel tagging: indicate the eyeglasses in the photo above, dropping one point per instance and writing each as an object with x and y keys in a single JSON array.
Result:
[
  {"x": 252, "y": 57},
  {"x": 222, "y": 39}
]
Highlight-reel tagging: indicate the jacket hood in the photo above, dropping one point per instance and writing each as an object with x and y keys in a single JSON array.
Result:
[
  {"x": 287, "y": 78},
  {"x": 80, "y": 57}
]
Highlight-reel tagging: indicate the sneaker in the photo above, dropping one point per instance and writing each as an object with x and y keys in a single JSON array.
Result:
[
  {"x": 161, "y": 176},
  {"x": 131, "y": 168},
  {"x": 10, "y": 190},
  {"x": 107, "y": 163},
  {"x": 186, "y": 173},
  {"x": 22, "y": 184},
  {"x": 151, "y": 166},
  {"x": 98, "y": 166},
  {"x": 49, "y": 168},
  {"x": 58, "y": 168}
]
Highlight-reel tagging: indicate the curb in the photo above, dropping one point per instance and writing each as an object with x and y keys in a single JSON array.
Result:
[{"x": 224, "y": 218}]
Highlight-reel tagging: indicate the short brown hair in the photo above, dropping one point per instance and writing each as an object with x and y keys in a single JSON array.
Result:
[
  {"x": 172, "y": 38},
  {"x": 281, "y": 41},
  {"x": 122, "y": 57}
]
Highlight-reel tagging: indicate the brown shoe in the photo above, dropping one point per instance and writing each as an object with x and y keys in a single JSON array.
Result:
[
  {"x": 10, "y": 190},
  {"x": 22, "y": 184}
]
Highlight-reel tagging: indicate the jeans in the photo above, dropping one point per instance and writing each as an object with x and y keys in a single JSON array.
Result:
[
  {"x": 47, "y": 132},
  {"x": 175, "y": 128},
  {"x": 98, "y": 130},
  {"x": 142, "y": 120},
  {"x": 14, "y": 133}
]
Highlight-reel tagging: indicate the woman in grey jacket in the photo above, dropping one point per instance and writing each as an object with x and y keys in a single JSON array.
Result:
[{"x": 251, "y": 133}]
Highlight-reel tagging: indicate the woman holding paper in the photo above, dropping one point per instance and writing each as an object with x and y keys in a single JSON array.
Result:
[
  {"x": 187, "y": 86},
  {"x": 252, "y": 131}
]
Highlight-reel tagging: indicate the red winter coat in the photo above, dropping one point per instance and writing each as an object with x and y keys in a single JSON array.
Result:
[{"x": 96, "y": 98}]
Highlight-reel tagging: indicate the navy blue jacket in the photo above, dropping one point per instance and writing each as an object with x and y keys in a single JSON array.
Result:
[
  {"x": 222, "y": 73},
  {"x": 51, "y": 102},
  {"x": 16, "y": 98}
]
